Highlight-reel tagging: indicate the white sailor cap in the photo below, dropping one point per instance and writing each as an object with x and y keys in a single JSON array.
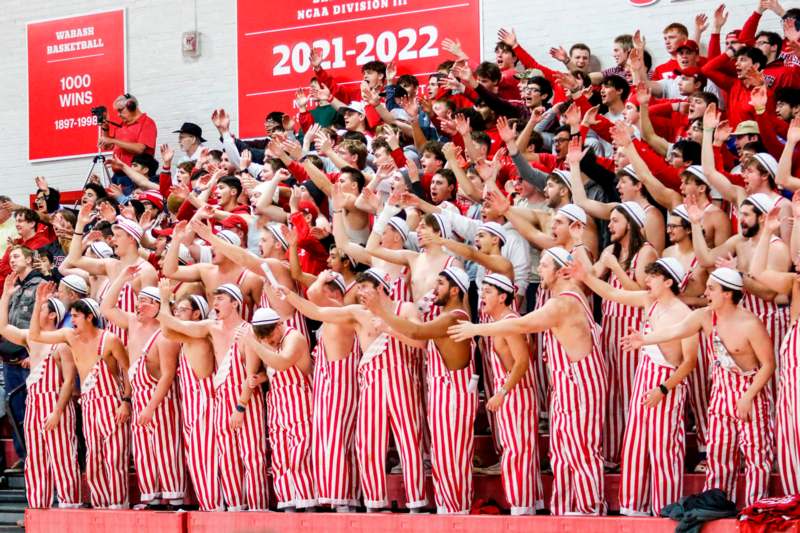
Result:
[
  {"x": 338, "y": 279},
  {"x": 264, "y": 316},
  {"x": 573, "y": 212},
  {"x": 230, "y": 236},
  {"x": 680, "y": 211},
  {"x": 768, "y": 162},
  {"x": 761, "y": 202},
  {"x": 379, "y": 276},
  {"x": 59, "y": 307},
  {"x": 560, "y": 255},
  {"x": 628, "y": 169},
  {"x": 76, "y": 283},
  {"x": 94, "y": 307},
  {"x": 674, "y": 267},
  {"x": 151, "y": 292},
  {"x": 495, "y": 229},
  {"x": 500, "y": 281},
  {"x": 184, "y": 255},
  {"x": 457, "y": 276},
  {"x": 635, "y": 211},
  {"x": 201, "y": 304},
  {"x": 563, "y": 176},
  {"x": 231, "y": 290},
  {"x": 101, "y": 249},
  {"x": 275, "y": 229},
  {"x": 400, "y": 226},
  {"x": 444, "y": 225},
  {"x": 728, "y": 277},
  {"x": 697, "y": 172},
  {"x": 130, "y": 227}
]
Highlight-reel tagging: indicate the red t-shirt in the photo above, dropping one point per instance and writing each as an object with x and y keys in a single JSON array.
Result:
[{"x": 142, "y": 130}]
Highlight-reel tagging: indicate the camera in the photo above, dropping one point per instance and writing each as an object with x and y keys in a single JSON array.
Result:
[{"x": 100, "y": 112}]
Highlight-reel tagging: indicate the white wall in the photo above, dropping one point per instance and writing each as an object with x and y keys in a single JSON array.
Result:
[{"x": 173, "y": 89}]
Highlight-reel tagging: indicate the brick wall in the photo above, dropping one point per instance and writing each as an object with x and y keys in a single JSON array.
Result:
[{"x": 174, "y": 89}]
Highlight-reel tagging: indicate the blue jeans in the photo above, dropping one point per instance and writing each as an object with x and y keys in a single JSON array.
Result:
[{"x": 15, "y": 376}]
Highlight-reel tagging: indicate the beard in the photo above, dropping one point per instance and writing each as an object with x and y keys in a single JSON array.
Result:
[
  {"x": 441, "y": 301},
  {"x": 751, "y": 231}
]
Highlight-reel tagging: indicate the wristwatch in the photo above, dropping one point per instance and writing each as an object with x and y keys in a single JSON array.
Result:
[
  {"x": 240, "y": 408},
  {"x": 663, "y": 388}
]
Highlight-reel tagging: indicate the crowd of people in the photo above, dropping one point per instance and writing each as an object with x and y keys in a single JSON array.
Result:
[{"x": 609, "y": 257}]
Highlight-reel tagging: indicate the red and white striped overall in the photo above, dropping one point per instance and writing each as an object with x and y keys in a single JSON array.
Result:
[
  {"x": 289, "y": 423},
  {"x": 296, "y": 321},
  {"x": 540, "y": 359},
  {"x": 107, "y": 442},
  {"x": 517, "y": 422},
  {"x": 389, "y": 399},
  {"x": 655, "y": 438},
  {"x": 157, "y": 453},
  {"x": 199, "y": 438},
  {"x": 452, "y": 403},
  {"x": 335, "y": 408},
  {"x": 729, "y": 436},
  {"x": 401, "y": 288},
  {"x": 126, "y": 302},
  {"x": 52, "y": 458},
  {"x": 576, "y": 424},
  {"x": 698, "y": 381},
  {"x": 621, "y": 365},
  {"x": 241, "y": 454},
  {"x": 787, "y": 423}
]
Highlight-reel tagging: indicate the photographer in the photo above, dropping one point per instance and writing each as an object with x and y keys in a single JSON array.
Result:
[{"x": 135, "y": 135}]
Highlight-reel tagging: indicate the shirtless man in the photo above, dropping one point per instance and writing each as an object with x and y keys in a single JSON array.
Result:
[
  {"x": 157, "y": 453},
  {"x": 284, "y": 352},
  {"x": 50, "y": 438},
  {"x": 452, "y": 398},
  {"x": 102, "y": 363},
  {"x": 424, "y": 264},
  {"x": 514, "y": 401},
  {"x": 221, "y": 270},
  {"x": 387, "y": 394},
  {"x": 335, "y": 397},
  {"x": 737, "y": 251},
  {"x": 654, "y": 443},
  {"x": 127, "y": 235},
  {"x": 273, "y": 246},
  {"x": 693, "y": 286},
  {"x": 579, "y": 379},
  {"x": 240, "y": 429},
  {"x": 389, "y": 233},
  {"x": 739, "y": 405},
  {"x": 195, "y": 370}
]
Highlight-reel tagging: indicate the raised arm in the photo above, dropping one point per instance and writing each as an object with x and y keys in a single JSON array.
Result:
[
  {"x": 35, "y": 333},
  {"x": 660, "y": 193},
  {"x": 237, "y": 254},
  {"x": 774, "y": 280},
  {"x": 633, "y": 298},
  {"x": 729, "y": 191},
  {"x": 75, "y": 257},
  {"x": 335, "y": 315},
  {"x": 690, "y": 325},
  {"x": 108, "y": 305},
  {"x": 193, "y": 329},
  {"x": 705, "y": 256}
]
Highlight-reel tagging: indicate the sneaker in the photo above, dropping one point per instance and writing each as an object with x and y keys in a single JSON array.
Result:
[{"x": 17, "y": 467}]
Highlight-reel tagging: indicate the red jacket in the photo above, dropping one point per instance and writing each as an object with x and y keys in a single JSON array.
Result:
[{"x": 313, "y": 255}]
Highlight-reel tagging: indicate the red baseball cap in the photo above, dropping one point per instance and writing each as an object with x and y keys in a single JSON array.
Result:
[
  {"x": 153, "y": 197},
  {"x": 236, "y": 221},
  {"x": 163, "y": 232},
  {"x": 690, "y": 44},
  {"x": 308, "y": 207}
]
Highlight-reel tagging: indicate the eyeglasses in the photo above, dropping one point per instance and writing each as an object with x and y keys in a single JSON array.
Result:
[
  {"x": 674, "y": 226},
  {"x": 179, "y": 308},
  {"x": 561, "y": 140}
]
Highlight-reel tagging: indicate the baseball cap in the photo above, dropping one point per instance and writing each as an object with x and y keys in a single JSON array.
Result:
[
  {"x": 746, "y": 127},
  {"x": 356, "y": 106},
  {"x": 191, "y": 128},
  {"x": 308, "y": 207},
  {"x": 690, "y": 44},
  {"x": 236, "y": 221},
  {"x": 154, "y": 197}
]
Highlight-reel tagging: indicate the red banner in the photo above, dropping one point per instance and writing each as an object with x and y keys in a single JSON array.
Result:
[
  {"x": 274, "y": 44},
  {"x": 74, "y": 64}
]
